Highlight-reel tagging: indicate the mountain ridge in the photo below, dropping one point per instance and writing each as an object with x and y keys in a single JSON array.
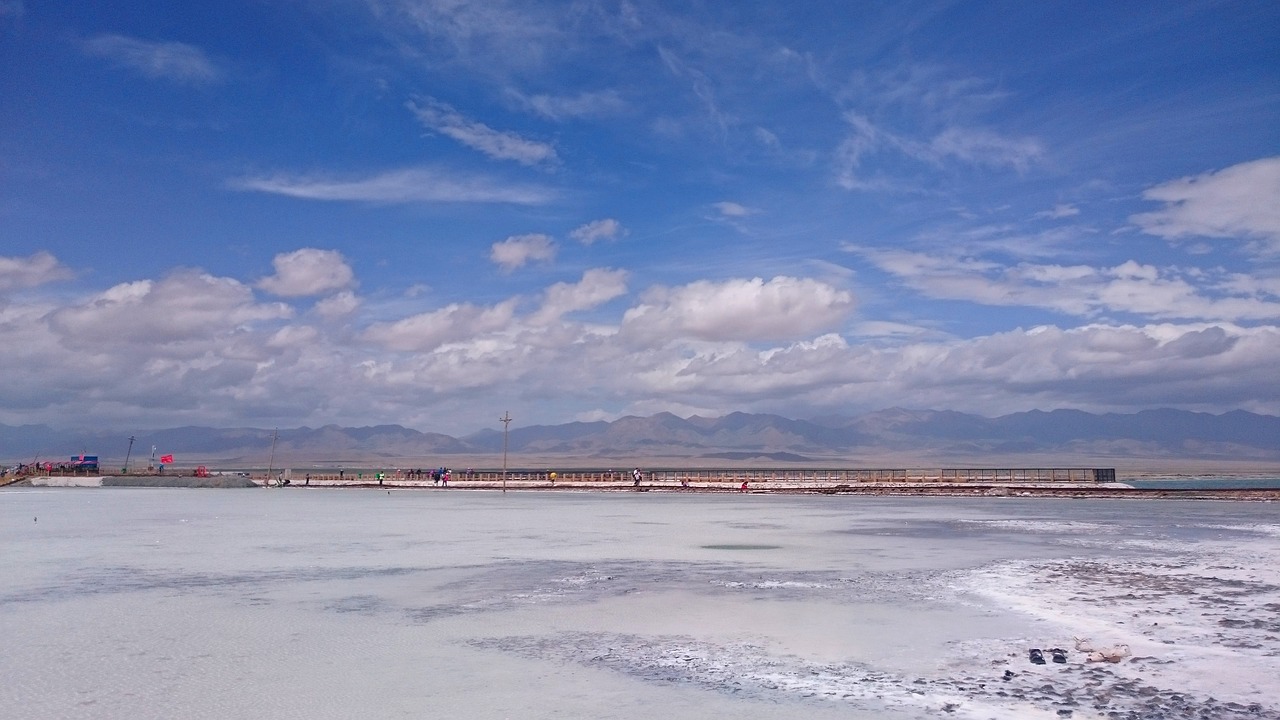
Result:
[{"x": 894, "y": 432}]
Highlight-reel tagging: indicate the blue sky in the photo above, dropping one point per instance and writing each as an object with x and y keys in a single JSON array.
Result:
[{"x": 429, "y": 212}]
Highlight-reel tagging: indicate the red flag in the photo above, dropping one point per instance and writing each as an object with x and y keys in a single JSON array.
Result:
[{"x": 166, "y": 459}]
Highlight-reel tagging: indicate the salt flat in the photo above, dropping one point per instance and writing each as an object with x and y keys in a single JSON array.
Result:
[{"x": 319, "y": 603}]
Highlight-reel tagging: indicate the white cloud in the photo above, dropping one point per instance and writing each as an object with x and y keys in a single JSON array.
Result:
[
  {"x": 923, "y": 89},
  {"x": 1059, "y": 211},
  {"x": 1242, "y": 201},
  {"x": 418, "y": 185},
  {"x": 597, "y": 286},
  {"x": 518, "y": 250},
  {"x": 195, "y": 348},
  {"x": 1096, "y": 367},
  {"x": 17, "y": 273},
  {"x": 783, "y": 308},
  {"x": 606, "y": 229},
  {"x": 492, "y": 37},
  {"x": 1081, "y": 290},
  {"x": 864, "y": 139},
  {"x": 981, "y": 147},
  {"x": 733, "y": 209},
  {"x": 606, "y": 103},
  {"x": 175, "y": 61},
  {"x": 969, "y": 145},
  {"x": 339, "y": 305},
  {"x": 308, "y": 271},
  {"x": 497, "y": 144},
  {"x": 184, "y": 306},
  {"x": 453, "y": 323}
]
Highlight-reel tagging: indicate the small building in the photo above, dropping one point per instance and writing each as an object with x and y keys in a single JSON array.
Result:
[{"x": 86, "y": 463}]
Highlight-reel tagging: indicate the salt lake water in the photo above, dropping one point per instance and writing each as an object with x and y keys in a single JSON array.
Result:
[{"x": 319, "y": 603}]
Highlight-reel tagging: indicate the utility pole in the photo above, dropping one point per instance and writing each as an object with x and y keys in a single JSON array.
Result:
[
  {"x": 128, "y": 453},
  {"x": 506, "y": 425},
  {"x": 271, "y": 461}
]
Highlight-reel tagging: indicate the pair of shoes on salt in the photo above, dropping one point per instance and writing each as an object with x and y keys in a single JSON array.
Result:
[{"x": 1037, "y": 655}]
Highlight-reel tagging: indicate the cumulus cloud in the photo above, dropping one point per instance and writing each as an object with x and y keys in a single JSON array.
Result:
[
  {"x": 606, "y": 229},
  {"x": 597, "y": 286},
  {"x": 337, "y": 306},
  {"x": 518, "y": 250},
  {"x": 500, "y": 145},
  {"x": 430, "y": 330},
  {"x": 174, "y": 61},
  {"x": 414, "y": 185},
  {"x": 187, "y": 305},
  {"x": 1242, "y": 201},
  {"x": 17, "y": 273},
  {"x": 190, "y": 347},
  {"x": 783, "y": 308},
  {"x": 1100, "y": 367},
  {"x": 308, "y": 271}
]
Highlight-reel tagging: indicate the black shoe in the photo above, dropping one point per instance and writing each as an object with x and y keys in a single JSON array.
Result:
[
  {"x": 1059, "y": 655},
  {"x": 1037, "y": 657}
]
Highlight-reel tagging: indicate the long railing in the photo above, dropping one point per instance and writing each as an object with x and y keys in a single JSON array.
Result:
[{"x": 728, "y": 476}]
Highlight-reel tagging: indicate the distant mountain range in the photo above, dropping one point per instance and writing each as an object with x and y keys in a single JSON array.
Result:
[{"x": 914, "y": 436}]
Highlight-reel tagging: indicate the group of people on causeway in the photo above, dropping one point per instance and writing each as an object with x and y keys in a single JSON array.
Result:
[{"x": 439, "y": 476}]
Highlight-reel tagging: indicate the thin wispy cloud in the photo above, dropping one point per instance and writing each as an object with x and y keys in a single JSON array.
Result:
[
  {"x": 867, "y": 140},
  {"x": 982, "y": 147},
  {"x": 1079, "y": 290},
  {"x": 730, "y": 209},
  {"x": 585, "y": 105},
  {"x": 1058, "y": 212},
  {"x": 417, "y": 185},
  {"x": 158, "y": 60},
  {"x": 491, "y": 38},
  {"x": 1240, "y": 201},
  {"x": 497, "y": 144},
  {"x": 606, "y": 229}
]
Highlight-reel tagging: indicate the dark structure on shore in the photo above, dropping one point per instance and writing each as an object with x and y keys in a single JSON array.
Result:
[{"x": 764, "y": 476}]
